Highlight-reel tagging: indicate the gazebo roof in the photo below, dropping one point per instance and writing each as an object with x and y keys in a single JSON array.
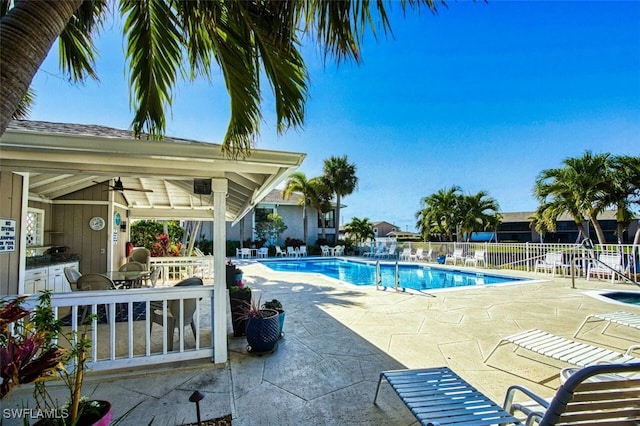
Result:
[{"x": 62, "y": 158}]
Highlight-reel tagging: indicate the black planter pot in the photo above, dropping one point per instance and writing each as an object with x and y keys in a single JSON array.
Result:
[
  {"x": 263, "y": 333},
  {"x": 239, "y": 302},
  {"x": 231, "y": 275}
]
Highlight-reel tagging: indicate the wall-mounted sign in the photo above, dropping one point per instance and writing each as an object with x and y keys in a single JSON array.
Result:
[{"x": 7, "y": 235}]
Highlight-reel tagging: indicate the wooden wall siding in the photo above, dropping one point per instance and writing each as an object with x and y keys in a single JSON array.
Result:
[
  {"x": 10, "y": 208},
  {"x": 72, "y": 223}
]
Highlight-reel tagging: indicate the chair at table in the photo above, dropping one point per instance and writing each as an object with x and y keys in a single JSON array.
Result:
[
  {"x": 93, "y": 282},
  {"x": 134, "y": 266},
  {"x": 263, "y": 252},
  {"x": 72, "y": 275},
  {"x": 141, "y": 255},
  {"x": 153, "y": 277},
  {"x": 173, "y": 312}
]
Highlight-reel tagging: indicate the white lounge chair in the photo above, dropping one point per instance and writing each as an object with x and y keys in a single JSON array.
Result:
[
  {"x": 478, "y": 257},
  {"x": 566, "y": 350},
  {"x": 406, "y": 253},
  {"x": 338, "y": 250},
  {"x": 263, "y": 252},
  {"x": 279, "y": 252},
  {"x": 291, "y": 251},
  {"x": 418, "y": 255},
  {"x": 457, "y": 255},
  {"x": 245, "y": 253},
  {"x": 302, "y": 251},
  {"x": 552, "y": 262},
  {"x": 324, "y": 250},
  {"x": 606, "y": 265},
  {"x": 621, "y": 318}
]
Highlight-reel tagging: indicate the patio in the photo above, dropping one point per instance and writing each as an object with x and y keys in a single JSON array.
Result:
[{"x": 338, "y": 339}]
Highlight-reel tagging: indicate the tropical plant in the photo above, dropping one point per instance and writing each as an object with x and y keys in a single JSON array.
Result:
[
  {"x": 320, "y": 198},
  {"x": 361, "y": 230},
  {"x": 144, "y": 233},
  {"x": 165, "y": 247},
  {"x": 439, "y": 214},
  {"x": 340, "y": 177},
  {"x": 578, "y": 189},
  {"x": 624, "y": 192},
  {"x": 274, "y": 304},
  {"x": 247, "y": 40},
  {"x": 27, "y": 350},
  {"x": 477, "y": 212},
  {"x": 271, "y": 228},
  {"x": 298, "y": 183}
]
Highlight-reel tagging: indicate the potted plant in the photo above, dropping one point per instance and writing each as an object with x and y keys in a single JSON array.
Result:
[
  {"x": 262, "y": 329},
  {"x": 276, "y": 305},
  {"x": 233, "y": 274},
  {"x": 239, "y": 298},
  {"x": 30, "y": 353}
]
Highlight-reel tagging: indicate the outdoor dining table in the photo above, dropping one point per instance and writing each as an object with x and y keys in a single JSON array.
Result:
[{"x": 127, "y": 279}]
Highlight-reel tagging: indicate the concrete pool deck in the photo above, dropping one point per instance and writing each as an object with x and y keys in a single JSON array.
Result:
[{"x": 339, "y": 337}]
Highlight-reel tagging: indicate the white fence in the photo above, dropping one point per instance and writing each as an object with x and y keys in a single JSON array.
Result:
[
  {"x": 523, "y": 256},
  {"x": 179, "y": 267},
  {"x": 122, "y": 332}
]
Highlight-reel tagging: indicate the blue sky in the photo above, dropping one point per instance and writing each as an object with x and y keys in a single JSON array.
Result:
[{"x": 480, "y": 95}]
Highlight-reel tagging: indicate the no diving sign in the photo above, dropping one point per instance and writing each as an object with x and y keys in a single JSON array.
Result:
[{"x": 7, "y": 235}]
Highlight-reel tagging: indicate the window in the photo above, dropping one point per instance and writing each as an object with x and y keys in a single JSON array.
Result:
[
  {"x": 329, "y": 220},
  {"x": 35, "y": 227}
]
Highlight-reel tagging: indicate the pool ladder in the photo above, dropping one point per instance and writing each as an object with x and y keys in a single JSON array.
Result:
[{"x": 379, "y": 277}]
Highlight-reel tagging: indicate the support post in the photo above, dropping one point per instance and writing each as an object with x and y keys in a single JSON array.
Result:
[{"x": 219, "y": 320}]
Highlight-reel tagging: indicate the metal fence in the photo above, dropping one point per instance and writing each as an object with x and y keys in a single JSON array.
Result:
[{"x": 525, "y": 256}]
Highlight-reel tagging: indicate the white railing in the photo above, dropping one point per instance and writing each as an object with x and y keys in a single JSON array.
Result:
[
  {"x": 121, "y": 332},
  {"x": 523, "y": 256},
  {"x": 179, "y": 267}
]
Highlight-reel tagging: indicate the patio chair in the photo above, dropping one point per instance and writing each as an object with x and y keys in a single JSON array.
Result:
[
  {"x": 324, "y": 250},
  {"x": 279, "y": 252},
  {"x": 141, "y": 255},
  {"x": 406, "y": 253},
  {"x": 302, "y": 251},
  {"x": 291, "y": 251},
  {"x": 552, "y": 262},
  {"x": 94, "y": 282},
  {"x": 263, "y": 252},
  {"x": 155, "y": 274},
  {"x": 245, "y": 253},
  {"x": 338, "y": 250},
  {"x": 621, "y": 318},
  {"x": 174, "y": 312},
  {"x": 453, "y": 258},
  {"x": 134, "y": 266},
  {"x": 418, "y": 255},
  {"x": 478, "y": 257},
  {"x": 605, "y": 265},
  {"x": 72, "y": 275},
  {"x": 439, "y": 396},
  {"x": 565, "y": 350}
]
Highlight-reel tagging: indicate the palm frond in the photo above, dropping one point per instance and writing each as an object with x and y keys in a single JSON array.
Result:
[{"x": 154, "y": 41}]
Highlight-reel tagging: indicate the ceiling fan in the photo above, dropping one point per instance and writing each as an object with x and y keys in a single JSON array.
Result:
[{"x": 118, "y": 186}]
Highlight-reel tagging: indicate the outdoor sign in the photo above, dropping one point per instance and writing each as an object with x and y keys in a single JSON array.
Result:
[{"x": 7, "y": 235}]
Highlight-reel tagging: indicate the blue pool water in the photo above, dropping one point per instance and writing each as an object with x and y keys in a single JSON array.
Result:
[
  {"x": 414, "y": 277},
  {"x": 624, "y": 297}
]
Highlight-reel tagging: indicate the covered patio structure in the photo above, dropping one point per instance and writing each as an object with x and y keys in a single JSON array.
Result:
[{"x": 66, "y": 170}]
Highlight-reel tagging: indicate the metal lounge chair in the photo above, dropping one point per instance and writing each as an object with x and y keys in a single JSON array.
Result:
[
  {"x": 620, "y": 318},
  {"x": 598, "y": 394},
  {"x": 566, "y": 350}
]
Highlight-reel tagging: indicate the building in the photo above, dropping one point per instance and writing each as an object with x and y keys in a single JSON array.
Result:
[
  {"x": 292, "y": 213},
  {"x": 516, "y": 227}
]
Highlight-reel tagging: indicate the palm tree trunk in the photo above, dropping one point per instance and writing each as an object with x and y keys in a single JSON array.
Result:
[
  {"x": 598, "y": 228},
  {"x": 337, "y": 216},
  {"x": 27, "y": 33},
  {"x": 304, "y": 222}
]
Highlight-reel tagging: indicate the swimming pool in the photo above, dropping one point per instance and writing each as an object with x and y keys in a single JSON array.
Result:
[
  {"x": 414, "y": 277},
  {"x": 625, "y": 297}
]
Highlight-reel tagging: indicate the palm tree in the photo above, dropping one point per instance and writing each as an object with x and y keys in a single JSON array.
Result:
[
  {"x": 320, "y": 199},
  {"x": 298, "y": 182},
  {"x": 361, "y": 229},
  {"x": 576, "y": 189},
  {"x": 244, "y": 39},
  {"x": 339, "y": 176},
  {"x": 439, "y": 215},
  {"x": 478, "y": 212},
  {"x": 624, "y": 190}
]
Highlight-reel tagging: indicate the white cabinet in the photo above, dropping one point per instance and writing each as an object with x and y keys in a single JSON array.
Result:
[
  {"x": 36, "y": 280},
  {"x": 48, "y": 278}
]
